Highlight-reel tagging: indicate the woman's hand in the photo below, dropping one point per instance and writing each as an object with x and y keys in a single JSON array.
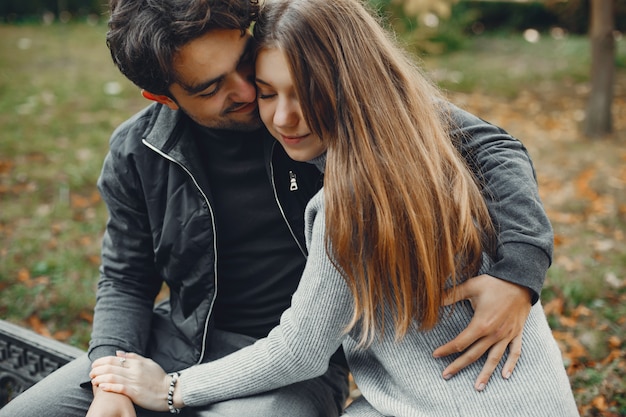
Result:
[
  {"x": 500, "y": 312},
  {"x": 140, "y": 379}
]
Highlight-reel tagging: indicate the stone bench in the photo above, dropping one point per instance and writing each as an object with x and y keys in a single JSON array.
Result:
[{"x": 27, "y": 357}]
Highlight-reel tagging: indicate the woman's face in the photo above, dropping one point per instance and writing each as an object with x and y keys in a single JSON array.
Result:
[{"x": 279, "y": 107}]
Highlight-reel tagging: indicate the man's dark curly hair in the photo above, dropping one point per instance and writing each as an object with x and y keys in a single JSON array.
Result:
[{"x": 144, "y": 35}]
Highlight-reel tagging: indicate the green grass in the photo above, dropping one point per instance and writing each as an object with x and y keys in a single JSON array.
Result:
[
  {"x": 56, "y": 120},
  {"x": 480, "y": 65}
]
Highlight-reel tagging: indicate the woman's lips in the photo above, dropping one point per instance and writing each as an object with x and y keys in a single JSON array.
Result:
[{"x": 292, "y": 140}]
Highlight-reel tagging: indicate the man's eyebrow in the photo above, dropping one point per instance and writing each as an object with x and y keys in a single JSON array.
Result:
[{"x": 197, "y": 88}]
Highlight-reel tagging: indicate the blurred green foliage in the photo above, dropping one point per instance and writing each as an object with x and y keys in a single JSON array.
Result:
[
  {"x": 436, "y": 26},
  {"x": 429, "y": 26},
  {"x": 33, "y": 10}
]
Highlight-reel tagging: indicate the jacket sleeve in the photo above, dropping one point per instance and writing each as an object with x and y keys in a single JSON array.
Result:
[
  {"x": 300, "y": 348},
  {"x": 505, "y": 170},
  {"x": 128, "y": 281}
]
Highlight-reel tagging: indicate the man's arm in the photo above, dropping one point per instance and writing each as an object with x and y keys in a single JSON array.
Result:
[
  {"x": 506, "y": 174},
  {"x": 502, "y": 298},
  {"x": 128, "y": 281}
]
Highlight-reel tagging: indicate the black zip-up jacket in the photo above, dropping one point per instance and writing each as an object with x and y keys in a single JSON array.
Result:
[{"x": 161, "y": 228}]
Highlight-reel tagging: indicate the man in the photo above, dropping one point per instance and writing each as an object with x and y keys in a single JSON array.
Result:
[{"x": 201, "y": 198}]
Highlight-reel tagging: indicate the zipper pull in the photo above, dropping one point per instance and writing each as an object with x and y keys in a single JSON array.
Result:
[{"x": 293, "y": 184}]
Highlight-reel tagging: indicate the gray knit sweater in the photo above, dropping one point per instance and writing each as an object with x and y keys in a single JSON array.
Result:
[{"x": 396, "y": 379}]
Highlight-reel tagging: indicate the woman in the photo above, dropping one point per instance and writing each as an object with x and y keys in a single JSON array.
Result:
[{"x": 400, "y": 220}]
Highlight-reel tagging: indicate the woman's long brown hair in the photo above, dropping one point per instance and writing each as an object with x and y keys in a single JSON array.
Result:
[{"x": 405, "y": 219}]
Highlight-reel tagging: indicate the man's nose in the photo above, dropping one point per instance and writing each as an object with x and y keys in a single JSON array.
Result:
[{"x": 243, "y": 89}]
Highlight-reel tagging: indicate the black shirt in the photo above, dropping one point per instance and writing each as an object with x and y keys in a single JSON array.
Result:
[{"x": 259, "y": 263}]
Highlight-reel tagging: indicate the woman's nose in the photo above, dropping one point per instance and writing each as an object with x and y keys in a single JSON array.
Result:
[{"x": 286, "y": 114}]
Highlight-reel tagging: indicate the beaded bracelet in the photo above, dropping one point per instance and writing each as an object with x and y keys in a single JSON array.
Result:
[{"x": 170, "y": 393}]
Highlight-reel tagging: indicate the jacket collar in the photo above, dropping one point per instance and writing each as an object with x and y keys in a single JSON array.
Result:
[
  {"x": 165, "y": 130},
  {"x": 171, "y": 132}
]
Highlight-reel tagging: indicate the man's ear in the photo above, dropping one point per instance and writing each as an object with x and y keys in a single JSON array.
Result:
[{"x": 160, "y": 99}]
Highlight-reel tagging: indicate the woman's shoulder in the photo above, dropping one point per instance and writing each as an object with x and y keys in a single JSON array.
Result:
[{"x": 314, "y": 224}]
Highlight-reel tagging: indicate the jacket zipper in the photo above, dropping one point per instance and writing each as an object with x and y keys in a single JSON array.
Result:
[
  {"x": 206, "y": 323},
  {"x": 282, "y": 212}
]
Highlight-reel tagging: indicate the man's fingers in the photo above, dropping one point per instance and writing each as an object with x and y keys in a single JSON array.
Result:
[
  {"x": 496, "y": 353},
  {"x": 515, "y": 350},
  {"x": 469, "y": 336},
  {"x": 457, "y": 345},
  {"x": 469, "y": 356},
  {"x": 493, "y": 359}
]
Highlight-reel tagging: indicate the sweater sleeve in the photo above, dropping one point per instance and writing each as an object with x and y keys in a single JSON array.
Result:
[
  {"x": 300, "y": 348},
  {"x": 505, "y": 170}
]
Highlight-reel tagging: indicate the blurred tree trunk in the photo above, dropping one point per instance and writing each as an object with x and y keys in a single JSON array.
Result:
[{"x": 598, "y": 120}]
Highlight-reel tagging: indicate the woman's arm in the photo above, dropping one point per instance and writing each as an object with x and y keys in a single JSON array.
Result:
[{"x": 300, "y": 348}]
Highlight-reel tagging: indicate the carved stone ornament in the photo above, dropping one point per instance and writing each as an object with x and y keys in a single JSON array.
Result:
[{"x": 26, "y": 358}]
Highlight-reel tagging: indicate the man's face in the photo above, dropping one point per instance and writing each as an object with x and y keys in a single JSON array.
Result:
[{"x": 216, "y": 81}]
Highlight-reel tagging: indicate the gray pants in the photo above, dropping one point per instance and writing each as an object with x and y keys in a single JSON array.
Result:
[{"x": 60, "y": 394}]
